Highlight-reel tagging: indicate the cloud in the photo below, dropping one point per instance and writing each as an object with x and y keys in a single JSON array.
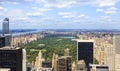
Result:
[
  {"x": 2, "y": 8},
  {"x": 71, "y": 3},
  {"x": 40, "y": 9},
  {"x": 34, "y": 14},
  {"x": 72, "y": 15},
  {"x": 67, "y": 14},
  {"x": 57, "y": 3},
  {"x": 103, "y": 3},
  {"x": 105, "y": 19},
  {"x": 15, "y": 14},
  {"x": 99, "y": 10},
  {"x": 14, "y": 1},
  {"x": 110, "y": 10},
  {"x": 37, "y": 11}
]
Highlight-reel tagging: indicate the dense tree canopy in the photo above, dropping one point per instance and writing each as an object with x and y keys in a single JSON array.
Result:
[{"x": 50, "y": 45}]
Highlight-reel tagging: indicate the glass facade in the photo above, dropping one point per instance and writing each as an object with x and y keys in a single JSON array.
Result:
[
  {"x": 2, "y": 41},
  {"x": 6, "y": 26},
  {"x": 85, "y": 52},
  {"x": 11, "y": 59}
]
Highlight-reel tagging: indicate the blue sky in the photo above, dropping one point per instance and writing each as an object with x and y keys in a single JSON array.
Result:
[{"x": 61, "y": 14}]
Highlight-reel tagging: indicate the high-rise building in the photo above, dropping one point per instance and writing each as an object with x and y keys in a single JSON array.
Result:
[
  {"x": 66, "y": 52},
  {"x": 13, "y": 58},
  {"x": 54, "y": 61},
  {"x": 4, "y": 69},
  {"x": 5, "y": 28},
  {"x": 85, "y": 51},
  {"x": 64, "y": 63},
  {"x": 80, "y": 66},
  {"x": 2, "y": 41},
  {"x": 116, "y": 40},
  {"x": 46, "y": 66},
  {"x": 5, "y": 32},
  {"x": 95, "y": 67},
  {"x": 8, "y": 38},
  {"x": 73, "y": 66},
  {"x": 5, "y": 40},
  {"x": 39, "y": 60},
  {"x": 109, "y": 56}
]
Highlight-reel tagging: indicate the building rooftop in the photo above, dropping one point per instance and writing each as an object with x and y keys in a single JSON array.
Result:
[
  {"x": 9, "y": 48},
  {"x": 98, "y": 65},
  {"x": 85, "y": 40},
  {"x": 6, "y": 19}
]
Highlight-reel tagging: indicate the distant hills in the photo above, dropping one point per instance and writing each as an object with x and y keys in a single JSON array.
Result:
[
  {"x": 85, "y": 30},
  {"x": 63, "y": 30}
]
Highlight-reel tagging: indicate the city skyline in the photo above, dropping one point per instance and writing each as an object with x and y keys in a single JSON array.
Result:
[{"x": 61, "y": 14}]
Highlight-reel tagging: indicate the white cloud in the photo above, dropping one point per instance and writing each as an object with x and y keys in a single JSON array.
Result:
[
  {"x": 110, "y": 10},
  {"x": 82, "y": 16},
  {"x": 40, "y": 9},
  {"x": 105, "y": 19},
  {"x": 103, "y": 3},
  {"x": 100, "y": 10},
  {"x": 72, "y": 15},
  {"x": 69, "y": 3},
  {"x": 15, "y": 14},
  {"x": 58, "y": 3},
  {"x": 37, "y": 11},
  {"x": 17, "y": 1},
  {"x": 2, "y": 8},
  {"x": 34, "y": 14},
  {"x": 67, "y": 14}
]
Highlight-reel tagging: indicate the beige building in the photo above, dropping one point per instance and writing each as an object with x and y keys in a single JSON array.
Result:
[
  {"x": 54, "y": 61},
  {"x": 109, "y": 57},
  {"x": 38, "y": 62},
  {"x": 80, "y": 66},
  {"x": 116, "y": 40}
]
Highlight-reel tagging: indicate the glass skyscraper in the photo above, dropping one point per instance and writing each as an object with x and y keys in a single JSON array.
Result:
[
  {"x": 5, "y": 25},
  {"x": 85, "y": 51}
]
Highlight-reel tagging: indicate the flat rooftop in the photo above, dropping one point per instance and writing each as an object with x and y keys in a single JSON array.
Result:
[
  {"x": 9, "y": 48},
  {"x": 85, "y": 40},
  {"x": 98, "y": 65}
]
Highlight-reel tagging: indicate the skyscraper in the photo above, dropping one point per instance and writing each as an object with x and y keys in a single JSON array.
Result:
[
  {"x": 13, "y": 58},
  {"x": 65, "y": 63},
  {"x": 85, "y": 51},
  {"x": 5, "y": 32},
  {"x": 5, "y": 28},
  {"x": 109, "y": 56},
  {"x": 116, "y": 40},
  {"x": 66, "y": 52},
  {"x": 2, "y": 41},
  {"x": 80, "y": 66}
]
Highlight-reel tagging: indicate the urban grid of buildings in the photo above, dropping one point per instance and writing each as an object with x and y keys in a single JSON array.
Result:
[{"x": 101, "y": 46}]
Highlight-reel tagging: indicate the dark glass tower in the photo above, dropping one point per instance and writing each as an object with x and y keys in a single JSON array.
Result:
[
  {"x": 2, "y": 41},
  {"x": 85, "y": 51},
  {"x": 11, "y": 58}
]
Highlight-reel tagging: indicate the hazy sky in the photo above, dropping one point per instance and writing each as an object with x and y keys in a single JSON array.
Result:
[{"x": 61, "y": 14}]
